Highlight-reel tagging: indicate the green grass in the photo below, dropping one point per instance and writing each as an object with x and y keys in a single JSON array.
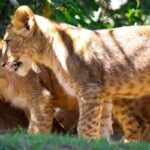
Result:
[{"x": 24, "y": 141}]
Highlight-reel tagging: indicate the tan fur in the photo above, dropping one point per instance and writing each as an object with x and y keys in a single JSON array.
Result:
[{"x": 94, "y": 66}]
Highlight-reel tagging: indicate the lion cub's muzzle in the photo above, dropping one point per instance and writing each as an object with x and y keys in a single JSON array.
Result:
[{"x": 11, "y": 66}]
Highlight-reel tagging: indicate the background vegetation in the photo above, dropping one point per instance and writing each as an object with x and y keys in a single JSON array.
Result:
[{"x": 90, "y": 14}]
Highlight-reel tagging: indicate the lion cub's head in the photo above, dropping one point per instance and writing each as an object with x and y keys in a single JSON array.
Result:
[{"x": 17, "y": 47}]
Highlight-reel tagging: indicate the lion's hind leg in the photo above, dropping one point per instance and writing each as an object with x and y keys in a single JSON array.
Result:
[{"x": 124, "y": 113}]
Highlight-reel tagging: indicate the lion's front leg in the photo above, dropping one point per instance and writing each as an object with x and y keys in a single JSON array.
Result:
[
  {"x": 90, "y": 109},
  {"x": 41, "y": 116}
]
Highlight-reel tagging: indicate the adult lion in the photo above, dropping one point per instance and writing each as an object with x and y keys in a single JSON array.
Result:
[{"x": 95, "y": 66}]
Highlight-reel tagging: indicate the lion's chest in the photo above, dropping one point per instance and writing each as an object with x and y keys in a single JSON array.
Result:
[
  {"x": 15, "y": 100},
  {"x": 66, "y": 86}
]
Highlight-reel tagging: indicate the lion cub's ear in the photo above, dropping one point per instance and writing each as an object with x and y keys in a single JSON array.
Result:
[{"x": 23, "y": 18}]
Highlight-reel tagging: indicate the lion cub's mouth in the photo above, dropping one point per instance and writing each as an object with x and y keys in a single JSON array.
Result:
[{"x": 12, "y": 66}]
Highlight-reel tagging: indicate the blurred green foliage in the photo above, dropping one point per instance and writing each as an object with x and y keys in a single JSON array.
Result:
[{"x": 84, "y": 13}]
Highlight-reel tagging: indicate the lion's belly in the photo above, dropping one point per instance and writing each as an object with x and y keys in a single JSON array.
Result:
[{"x": 137, "y": 87}]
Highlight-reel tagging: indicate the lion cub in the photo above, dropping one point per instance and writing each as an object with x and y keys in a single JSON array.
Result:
[
  {"x": 34, "y": 95},
  {"x": 33, "y": 98}
]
